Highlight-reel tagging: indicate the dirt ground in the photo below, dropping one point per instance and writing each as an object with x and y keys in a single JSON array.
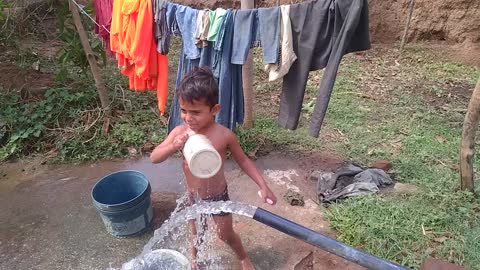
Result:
[
  {"x": 28, "y": 82},
  {"x": 48, "y": 220}
]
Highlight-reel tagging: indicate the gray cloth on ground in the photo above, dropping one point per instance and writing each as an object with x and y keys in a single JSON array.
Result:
[{"x": 350, "y": 180}]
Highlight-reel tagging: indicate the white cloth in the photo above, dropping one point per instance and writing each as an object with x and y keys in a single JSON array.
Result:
[{"x": 287, "y": 55}]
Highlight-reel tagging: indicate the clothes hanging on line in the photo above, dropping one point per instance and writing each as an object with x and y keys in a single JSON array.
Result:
[
  {"x": 201, "y": 28},
  {"x": 216, "y": 20},
  {"x": 165, "y": 26},
  {"x": 216, "y": 56},
  {"x": 132, "y": 40},
  {"x": 186, "y": 19},
  {"x": 287, "y": 56},
  {"x": 323, "y": 31},
  {"x": 103, "y": 19},
  {"x": 160, "y": 27},
  {"x": 254, "y": 28},
  {"x": 316, "y": 35}
]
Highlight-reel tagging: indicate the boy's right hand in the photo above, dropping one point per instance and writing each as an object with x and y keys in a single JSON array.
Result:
[{"x": 179, "y": 141}]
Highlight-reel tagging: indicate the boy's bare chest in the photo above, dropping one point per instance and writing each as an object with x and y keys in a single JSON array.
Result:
[{"x": 218, "y": 142}]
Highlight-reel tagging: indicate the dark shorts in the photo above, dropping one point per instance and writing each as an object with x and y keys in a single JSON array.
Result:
[{"x": 222, "y": 196}]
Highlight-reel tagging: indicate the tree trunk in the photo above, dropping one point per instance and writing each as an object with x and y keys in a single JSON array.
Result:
[
  {"x": 247, "y": 78},
  {"x": 467, "y": 148},
  {"x": 97, "y": 76},
  {"x": 407, "y": 25}
]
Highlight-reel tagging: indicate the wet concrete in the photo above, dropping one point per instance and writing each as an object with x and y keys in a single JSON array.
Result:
[{"x": 47, "y": 219}]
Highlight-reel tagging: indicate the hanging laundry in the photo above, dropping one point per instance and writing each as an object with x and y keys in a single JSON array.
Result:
[
  {"x": 228, "y": 76},
  {"x": 253, "y": 28},
  {"x": 201, "y": 28},
  {"x": 103, "y": 16},
  {"x": 287, "y": 55},
  {"x": 186, "y": 19},
  {"x": 131, "y": 38},
  {"x": 160, "y": 29},
  {"x": 165, "y": 26},
  {"x": 216, "y": 20},
  {"x": 323, "y": 31}
]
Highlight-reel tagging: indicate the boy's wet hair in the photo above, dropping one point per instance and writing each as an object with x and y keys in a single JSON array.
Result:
[{"x": 199, "y": 85}]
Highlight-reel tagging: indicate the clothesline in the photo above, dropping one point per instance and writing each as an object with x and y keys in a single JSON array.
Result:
[
  {"x": 84, "y": 12},
  {"x": 93, "y": 20},
  {"x": 318, "y": 32}
]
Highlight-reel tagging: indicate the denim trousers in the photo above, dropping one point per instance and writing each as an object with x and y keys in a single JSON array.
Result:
[
  {"x": 227, "y": 75},
  {"x": 253, "y": 28}
]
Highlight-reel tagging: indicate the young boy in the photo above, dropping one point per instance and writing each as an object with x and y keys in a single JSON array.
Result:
[{"x": 198, "y": 97}]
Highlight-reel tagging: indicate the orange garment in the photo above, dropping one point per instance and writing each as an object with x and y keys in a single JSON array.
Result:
[{"x": 131, "y": 38}]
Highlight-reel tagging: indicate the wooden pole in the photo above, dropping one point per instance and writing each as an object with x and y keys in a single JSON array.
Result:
[
  {"x": 467, "y": 148},
  {"x": 407, "y": 25},
  {"x": 97, "y": 76},
  {"x": 247, "y": 78}
]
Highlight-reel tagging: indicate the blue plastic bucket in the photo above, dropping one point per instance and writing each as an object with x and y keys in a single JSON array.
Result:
[{"x": 123, "y": 201}]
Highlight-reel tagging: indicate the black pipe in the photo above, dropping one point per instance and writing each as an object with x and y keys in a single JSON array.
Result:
[{"x": 324, "y": 242}]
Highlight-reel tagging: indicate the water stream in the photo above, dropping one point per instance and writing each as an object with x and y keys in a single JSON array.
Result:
[{"x": 172, "y": 234}]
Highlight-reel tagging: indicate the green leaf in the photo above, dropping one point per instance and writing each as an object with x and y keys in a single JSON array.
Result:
[
  {"x": 37, "y": 133},
  {"x": 14, "y": 138}
]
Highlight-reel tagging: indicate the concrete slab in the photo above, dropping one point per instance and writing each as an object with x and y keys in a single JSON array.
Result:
[{"x": 47, "y": 219}]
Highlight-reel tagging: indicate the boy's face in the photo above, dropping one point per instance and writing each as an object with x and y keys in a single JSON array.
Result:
[{"x": 197, "y": 114}]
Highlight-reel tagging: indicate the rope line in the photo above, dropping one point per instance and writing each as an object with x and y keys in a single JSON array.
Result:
[{"x": 84, "y": 12}]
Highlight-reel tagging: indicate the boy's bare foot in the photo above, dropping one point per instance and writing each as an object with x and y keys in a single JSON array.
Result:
[
  {"x": 193, "y": 265},
  {"x": 247, "y": 264}
]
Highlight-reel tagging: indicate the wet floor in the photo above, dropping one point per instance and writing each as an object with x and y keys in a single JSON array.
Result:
[{"x": 47, "y": 219}]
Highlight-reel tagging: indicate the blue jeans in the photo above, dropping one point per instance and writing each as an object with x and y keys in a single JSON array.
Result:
[
  {"x": 230, "y": 79},
  {"x": 228, "y": 76},
  {"x": 186, "y": 19},
  {"x": 255, "y": 26}
]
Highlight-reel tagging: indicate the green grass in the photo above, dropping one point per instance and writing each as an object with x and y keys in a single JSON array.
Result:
[
  {"x": 392, "y": 226},
  {"x": 423, "y": 143},
  {"x": 385, "y": 111},
  {"x": 267, "y": 134}
]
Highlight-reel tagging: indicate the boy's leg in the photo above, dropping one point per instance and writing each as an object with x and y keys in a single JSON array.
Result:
[
  {"x": 193, "y": 239},
  {"x": 227, "y": 234},
  {"x": 196, "y": 239}
]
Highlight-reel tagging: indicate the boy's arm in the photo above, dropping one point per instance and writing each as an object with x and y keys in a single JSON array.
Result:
[
  {"x": 247, "y": 165},
  {"x": 174, "y": 142}
]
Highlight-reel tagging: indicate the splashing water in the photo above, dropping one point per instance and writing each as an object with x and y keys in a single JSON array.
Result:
[
  {"x": 162, "y": 259},
  {"x": 176, "y": 225},
  {"x": 194, "y": 211}
]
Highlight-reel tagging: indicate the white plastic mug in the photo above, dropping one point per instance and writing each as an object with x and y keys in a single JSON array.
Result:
[{"x": 202, "y": 158}]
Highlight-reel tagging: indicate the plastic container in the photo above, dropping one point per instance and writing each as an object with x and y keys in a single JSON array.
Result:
[
  {"x": 159, "y": 259},
  {"x": 167, "y": 259},
  {"x": 202, "y": 158},
  {"x": 123, "y": 201}
]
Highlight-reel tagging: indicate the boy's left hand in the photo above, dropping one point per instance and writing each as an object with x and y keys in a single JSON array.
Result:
[{"x": 267, "y": 196}]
